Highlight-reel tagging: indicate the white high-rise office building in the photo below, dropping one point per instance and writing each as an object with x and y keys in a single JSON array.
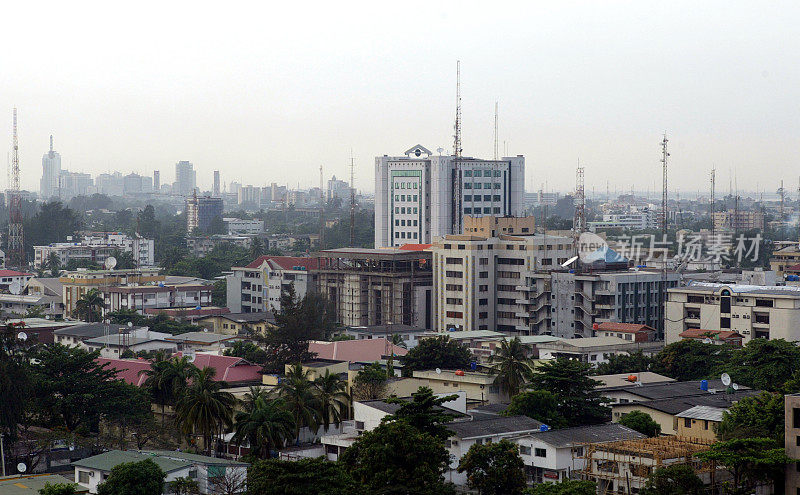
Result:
[
  {"x": 185, "y": 178},
  {"x": 420, "y": 196},
  {"x": 51, "y": 170}
]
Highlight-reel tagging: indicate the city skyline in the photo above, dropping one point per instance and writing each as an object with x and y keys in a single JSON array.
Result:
[{"x": 556, "y": 72}]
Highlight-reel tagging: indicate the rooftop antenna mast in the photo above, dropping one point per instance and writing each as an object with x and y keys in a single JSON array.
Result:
[
  {"x": 352, "y": 200},
  {"x": 456, "y": 217},
  {"x": 782, "y": 193},
  {"x": 496, "y": 151},
  {"x": 713, "y": 185},
  {"x": 321, "y": 209},
  {"x": 664, "y": 193},
  {"x": 16, "y": 248}
]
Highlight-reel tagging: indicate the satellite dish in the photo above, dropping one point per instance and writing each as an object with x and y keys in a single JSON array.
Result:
[
  {"x": 438, "y": 371},
  {"x": 110, "y": 263},
  {"x": 15, "y": 287},
  {"x": 130, "y": 324},
  {"x": 735, "y": 386},
  {"x": 190, "y": 356},
  {"x": 21, "y": 467},
  {"x": 726, "y": 379},
  {"x": 205, "y": 330},
  {"x": 440, "y": 150},
  {"x": 569, "y": 262},
  {"x": 707, "y": 341},
  {"x": 22, "y": 336}
]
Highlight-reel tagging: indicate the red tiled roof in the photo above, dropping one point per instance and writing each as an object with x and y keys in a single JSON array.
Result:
[
  {"x": 415, "y": 247},
  {"x": 363, "y": 351},
  {"x": 286, "y": 262},
  {"x": 13, "y": 273},
  {"x": 229, "y": 368},
  {"x": 793, "y": 268},
  {"x": 623, "y": 327},
  {"x": 699, "y": 333}
]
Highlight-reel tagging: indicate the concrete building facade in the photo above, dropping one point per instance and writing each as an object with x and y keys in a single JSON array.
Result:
[
  {"x": 258, "y": 286},
  {"x": 200, "y": 211},
  {"x": 420, "y": 196}
]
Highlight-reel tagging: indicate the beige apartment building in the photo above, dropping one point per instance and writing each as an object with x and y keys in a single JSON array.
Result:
[
  {"x": 479, "y": 281},
  {"x": 769, "y": 312},
  {"x": 738, "y": 220}
]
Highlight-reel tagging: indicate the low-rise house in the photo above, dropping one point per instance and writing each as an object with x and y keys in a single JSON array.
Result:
[
  {"x": 666, "y": 412},
  {"x": 13, "y": 279},
  {"x": 76, "y": 335},
  {"x": 41, "y": 329},
  {"x": 554, "y": 455},
  {"x": 661, "y": 389},
  {"x": 717, "y": 337},
  {"x": 207, "y": 471},
  {"x": 141, "y": 298},
  {"x": 479, "y": 387},
  {"x": 31, "y": 484},
  {"x": 233, "y": 370},
  {"x": 238, "y": 323},
  {"x": 483, "y": 349},
  {"x": 201, "y": 340},
  {"x": 627, "y": 331},
  {"x": 357, "y": 351},
  {"x": 409, "y": 334},
  {"x": 594, "y": 350},
  {"x": 113, "y": 346},
  {"x": 465, "y": 434},
  {"x": 623, "y": 380},
  {"x": 699, "y": 422}
]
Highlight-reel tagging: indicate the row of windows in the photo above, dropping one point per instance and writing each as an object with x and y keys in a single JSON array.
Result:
[
  {"x": 482, "y": 173},
  {"x": 403, "y": 209},
  {"x": 402, "y": 185},
  {"x": 454, "y": 300},
  {"x": 402, "y": 235},
  {"x": 402, "y": 197},
  {"x": 399, "y": 223},
  {"x": 455, "y": 287},
  {"x": 481, "y": 185},
  {"x": 477, "y": 197},
  {"x": 467, "y": 211}
]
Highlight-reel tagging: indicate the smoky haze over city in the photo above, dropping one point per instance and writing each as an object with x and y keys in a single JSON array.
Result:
[{"x": 269, "y": 94}]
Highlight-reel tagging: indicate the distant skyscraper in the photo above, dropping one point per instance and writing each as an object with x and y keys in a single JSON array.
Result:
[
  {"x": 51, "y": 169},
  {"x": 201, "y": 211},
  {"x": 185, "y": 179},
  {"x": 215, "y": 190},
  {"x": 156, "y": 181}
]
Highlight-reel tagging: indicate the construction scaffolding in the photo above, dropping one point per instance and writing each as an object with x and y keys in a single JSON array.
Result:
[
  {"x": 623, "y": 467},
  {"x": 377, "y": 286}
]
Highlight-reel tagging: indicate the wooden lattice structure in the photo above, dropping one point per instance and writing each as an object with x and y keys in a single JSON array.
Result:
[{"x": 623, "y": 467}]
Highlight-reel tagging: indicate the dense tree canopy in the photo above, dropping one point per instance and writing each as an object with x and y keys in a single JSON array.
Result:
[
  {"x": 424, "y": 412},
  {"x": 634, "y": 362},
  {"x": 759, "y": 416},
  {"x": 541, "y": 405},
  {"x": 566, "y": 487},
  {"x": 570, "y": 381},
  {"x": 437, "y": 352},
  {"x": 641, "y": 422},
  {"x": 133, "y": 478},
  {"x": 689, "y": 359},
  {"x": 677, "y": 479},
  {"x": 494, "y": 469},
  {"x": 762, "y": 364},
  {"x": 276, "y": 477},
  {"x": 370, "y": 382},
  {"x": 52, "y": 223},
  {"x": 749, "y": 460}
]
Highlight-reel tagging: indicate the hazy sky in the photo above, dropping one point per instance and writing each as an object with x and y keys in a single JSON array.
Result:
[{"x": 268, "y": 91}]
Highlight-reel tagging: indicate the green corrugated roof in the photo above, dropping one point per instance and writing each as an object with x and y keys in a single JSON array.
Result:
[
  {"x": 106, "y": 461},
  {"x": 30, "y": 485}
]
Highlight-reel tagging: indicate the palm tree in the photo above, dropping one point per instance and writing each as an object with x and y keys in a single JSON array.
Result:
[
  {"x": 333, "y": 398},
  {"x": 397, "y": 340},
  {"x": 298, "y": 391},
  {"x": 204, "y": 407},
  {"x": 265, "y": 424},
  {"x": 511, "y": 365},
  {"x": 90, "y": 303},
  {"x": 167, "y": 379}
]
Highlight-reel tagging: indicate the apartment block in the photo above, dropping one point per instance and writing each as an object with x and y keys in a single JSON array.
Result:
[
  {"x": 479, "y": 281},
  {"x": 141, "y": 298},
  {"x": 76, "y": 284},
  {"x": 751, "y": 311},
  {"x": 97, "y": 247},
  {"x": 379, "y": 286},
  {"x": 200, "y": 246},
  {"x": 738, "y": 220},
  {"x": 258, "y": 286}
]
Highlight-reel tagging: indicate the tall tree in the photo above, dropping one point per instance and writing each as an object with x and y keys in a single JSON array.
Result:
[
  {"x": 90, "y": 306},
  {"x": 762, "y": 364},
  {"x": 397, "y": 459},
  {"x": 317, "y": 476},
  {"x": 333, "y": 399},
  {"x": 635, "y": 362},
  {"x": 677, "y": 479},
  {"x": 511, "y": 365},
  {"x": 424, "y": 412},
  {"x": 494, "y": 469},
  {"x": 288, "y": 343},
  {"x": 265, "y": 424},
  {"x": 205, "y": 408},
  {"x": 370, "y": 382},
  {"x": 52, "y": 223},
  {"x": 759, "y": 416},
  {"x": 15, "y": 379},
  {"x": 133, "y": 478},
  {"x": 689, "y": 359},
  {"x": 256, "y": 248},
  {"x": 541, "y": 405},
  {"x": 436, "y": 352},
  {"x": 298, "y": 392},
  {"x": 570, "y": 381},
  {"x": 749, "y": 460}
]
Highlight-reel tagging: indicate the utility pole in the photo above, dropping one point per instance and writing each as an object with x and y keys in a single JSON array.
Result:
[
  {"x": 782, "y": 193},
  {"x": 458, "y": 196},
  {"x": 352, "y": 200},
  {"x": 16, "y": 247}
]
